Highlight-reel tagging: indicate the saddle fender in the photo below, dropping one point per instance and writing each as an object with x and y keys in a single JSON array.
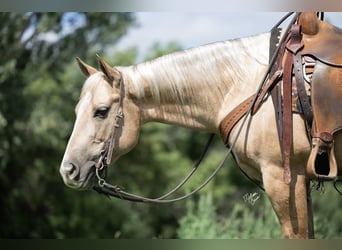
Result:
[
  {"x": 323, "y": 42},
  {"x": 326, "y": 98}
]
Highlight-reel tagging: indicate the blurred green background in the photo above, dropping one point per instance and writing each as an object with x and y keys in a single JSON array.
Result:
[{"x": 39, "y": 87}]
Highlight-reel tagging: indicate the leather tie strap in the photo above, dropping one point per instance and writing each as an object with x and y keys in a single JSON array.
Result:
[
  {"x": 292, "y": 61},
  {"x": 287, "y": 117}
]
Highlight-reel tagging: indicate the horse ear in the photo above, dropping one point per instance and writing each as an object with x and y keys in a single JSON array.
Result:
[
  {"x": 309, "y": 23},
  {"x": 85, "y": 68},
  {"x": 111, "y": 73}
]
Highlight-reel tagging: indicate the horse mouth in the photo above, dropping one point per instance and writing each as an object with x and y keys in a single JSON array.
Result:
[{"x": 89, "y": 180}]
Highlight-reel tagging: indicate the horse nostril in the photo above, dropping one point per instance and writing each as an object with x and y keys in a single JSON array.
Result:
[
  {"x": 74, "y": 171},
  {"x": 70, "y": 170}
]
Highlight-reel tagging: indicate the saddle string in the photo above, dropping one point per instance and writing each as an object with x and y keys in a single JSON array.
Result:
[
  {"x": 335, "y": 186},
  {"x": 319, "y": 186},
  {"x": 116, "y": 191}
]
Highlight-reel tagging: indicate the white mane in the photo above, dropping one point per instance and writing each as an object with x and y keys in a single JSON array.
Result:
[{"x": 227, "y": 61}]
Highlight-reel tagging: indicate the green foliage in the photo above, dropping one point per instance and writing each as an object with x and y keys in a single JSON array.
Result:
[
  {"x": 201, "y": 221},
  {"x": 326, "y": 205},
  {"x": 39, "y": 86},
  {"x": 254, "y": 220},
  {"x": 242, "y": 221}
]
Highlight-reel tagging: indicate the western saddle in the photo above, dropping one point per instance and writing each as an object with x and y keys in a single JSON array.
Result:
[{"x": 306, "y": 78}]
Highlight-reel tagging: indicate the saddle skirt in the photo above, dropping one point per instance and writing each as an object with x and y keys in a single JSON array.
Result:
[
  {"x": 323, "y": 42},
  {"x": 326, "y": 100}
]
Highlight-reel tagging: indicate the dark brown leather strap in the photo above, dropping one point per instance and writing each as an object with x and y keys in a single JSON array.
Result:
[
  {"x": 295, "y": 47},
  {"x": 277, "y": 91},
  {"x": 287, "y": 116},
  {"x": 267, "y": 88},
  {"x": 116, "y": 129},
  {"x": 324, "y": 136},
  {"x": 292, "y": 58}
]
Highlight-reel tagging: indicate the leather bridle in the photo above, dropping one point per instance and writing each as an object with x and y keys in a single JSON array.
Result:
[{"x": 110, "y": 144}]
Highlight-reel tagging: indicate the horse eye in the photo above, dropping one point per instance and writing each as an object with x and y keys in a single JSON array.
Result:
[{"x": 101, "y": 112}]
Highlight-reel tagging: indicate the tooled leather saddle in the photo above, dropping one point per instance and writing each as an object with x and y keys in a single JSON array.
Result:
[
  {"x": 323, "y": 42},
  {"x": 307, "y": 79}
]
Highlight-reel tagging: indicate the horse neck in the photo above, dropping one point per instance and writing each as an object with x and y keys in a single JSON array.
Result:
[{"x": 195, "y": 88}]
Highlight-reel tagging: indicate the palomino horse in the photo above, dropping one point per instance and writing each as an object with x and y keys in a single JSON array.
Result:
[{"x": 195, "y": 88}]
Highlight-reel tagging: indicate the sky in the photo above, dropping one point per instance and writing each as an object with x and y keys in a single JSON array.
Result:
[{"x": 192, "y": 29}]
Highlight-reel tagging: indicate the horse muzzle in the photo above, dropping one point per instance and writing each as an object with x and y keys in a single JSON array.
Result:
[{"x": 76, "y": 177}]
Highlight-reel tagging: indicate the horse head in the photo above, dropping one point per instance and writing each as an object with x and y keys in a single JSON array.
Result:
[{"x": 101, "y": 98}]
